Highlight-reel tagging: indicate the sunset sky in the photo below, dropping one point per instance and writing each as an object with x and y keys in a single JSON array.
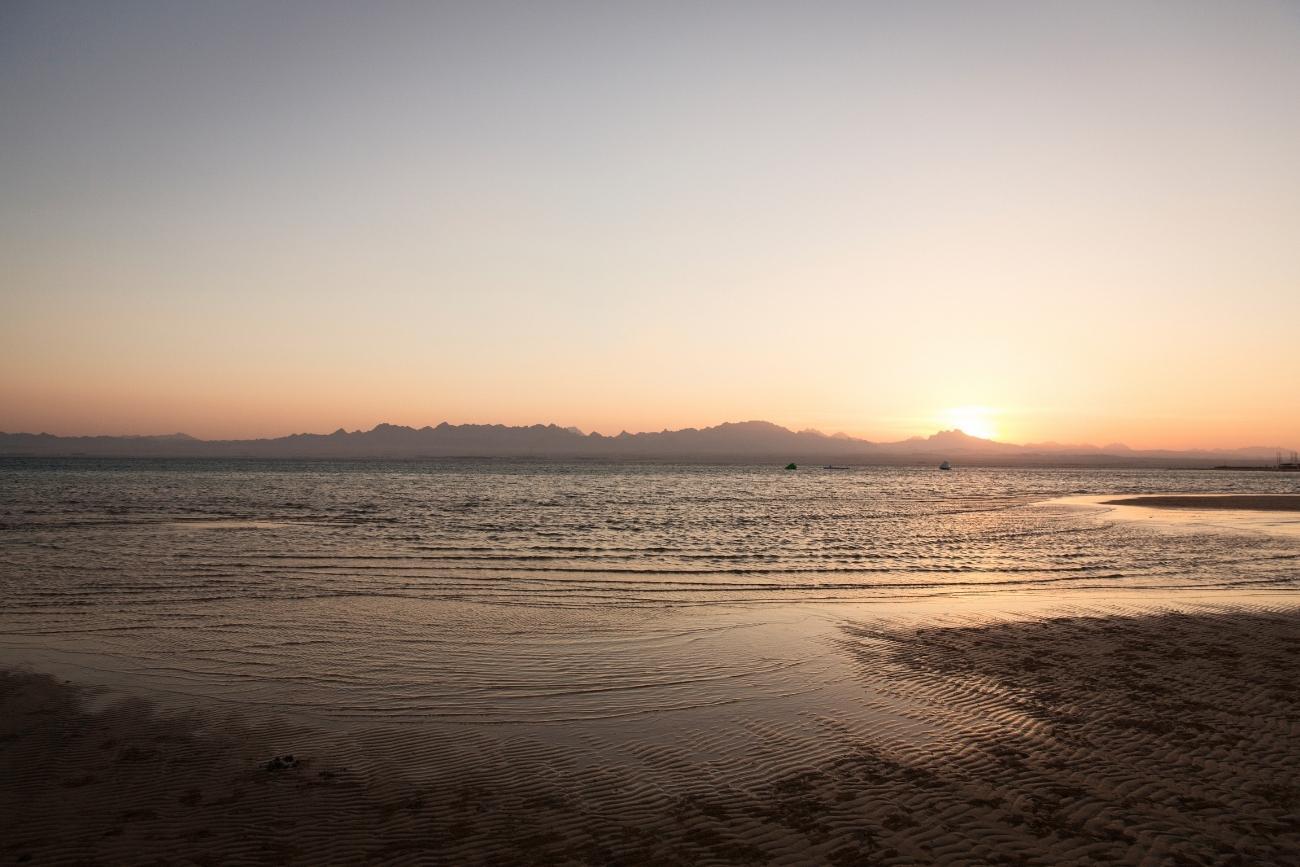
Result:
[{"x": 1070, "y": 221}]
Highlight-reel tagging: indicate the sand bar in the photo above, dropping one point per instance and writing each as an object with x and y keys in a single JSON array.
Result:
[
  {"x": 1196, "y": 515},
  {"x": 1250, "y": 502}
]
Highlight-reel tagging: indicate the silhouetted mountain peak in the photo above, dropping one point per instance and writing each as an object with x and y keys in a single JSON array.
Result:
[
  {"x": 957, "y": 436},
  {"x": 752, "y": 425},
  {"x": 752, "y": 440}
]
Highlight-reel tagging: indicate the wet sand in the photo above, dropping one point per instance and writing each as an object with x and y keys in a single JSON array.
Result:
[
  {"x": 1250, "y": 502},
  {"x": 1154, "y": 737}
]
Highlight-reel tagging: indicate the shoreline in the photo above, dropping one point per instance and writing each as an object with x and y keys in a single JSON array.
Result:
[
  {"x": 772, "y": 630},
  {"x": 1195, "y": 519},
  {"x": 1056, "y": 738},
  {"x": 1235, "y": 502}
]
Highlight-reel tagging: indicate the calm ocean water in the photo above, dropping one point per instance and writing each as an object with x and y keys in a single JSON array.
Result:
[{"x": 513, "y": 591}]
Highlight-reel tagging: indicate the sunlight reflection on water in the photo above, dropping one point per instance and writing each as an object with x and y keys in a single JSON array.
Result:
[{"x": 501, "y": 593}]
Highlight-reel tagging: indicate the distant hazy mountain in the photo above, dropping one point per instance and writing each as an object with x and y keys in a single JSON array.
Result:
[{"x": 748, "y": 441}]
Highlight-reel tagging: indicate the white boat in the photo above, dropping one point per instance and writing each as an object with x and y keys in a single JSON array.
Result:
[{"x": 945, "y": 466}]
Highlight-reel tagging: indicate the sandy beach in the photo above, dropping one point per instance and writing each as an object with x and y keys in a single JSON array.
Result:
[
  {"x": 1151, "y": 737},
  {"x": 877, "y": 670}
]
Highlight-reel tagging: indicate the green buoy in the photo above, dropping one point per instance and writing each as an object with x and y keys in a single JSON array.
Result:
[{"x": 791, "y": 467}]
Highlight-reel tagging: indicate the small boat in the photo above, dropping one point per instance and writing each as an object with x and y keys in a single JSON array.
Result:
[
  {"x": 833, "y": 467},
  {"x": 945, "y": 466}
]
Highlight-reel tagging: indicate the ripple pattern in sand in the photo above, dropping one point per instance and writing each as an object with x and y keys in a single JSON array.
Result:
[{"x": 1122, "y": 736}]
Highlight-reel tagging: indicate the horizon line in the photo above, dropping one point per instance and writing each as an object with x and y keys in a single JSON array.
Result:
[{"x": 838, "y": 435}]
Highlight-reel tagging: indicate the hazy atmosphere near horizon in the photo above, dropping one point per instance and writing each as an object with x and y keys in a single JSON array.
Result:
[
  {"x": 244, "y": 219},
  {"x": 615, "y": 434}
]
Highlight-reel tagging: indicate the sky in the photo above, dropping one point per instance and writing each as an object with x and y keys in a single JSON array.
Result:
[{"x": 1039, "y": 221}]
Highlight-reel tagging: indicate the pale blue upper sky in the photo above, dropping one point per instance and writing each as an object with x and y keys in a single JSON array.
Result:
[{"x": 252, "y": 218}]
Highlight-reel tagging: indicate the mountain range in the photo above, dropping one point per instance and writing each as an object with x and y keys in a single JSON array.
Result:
[{"x": 731, "y": 442}]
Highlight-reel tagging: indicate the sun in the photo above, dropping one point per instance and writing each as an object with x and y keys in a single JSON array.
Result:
[{"x": 974, "y": 420}]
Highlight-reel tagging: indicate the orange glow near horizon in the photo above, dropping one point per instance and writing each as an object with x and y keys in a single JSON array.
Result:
[
  {"x": 1031, "y": 222},
  {"x": 974, "y": 420}
]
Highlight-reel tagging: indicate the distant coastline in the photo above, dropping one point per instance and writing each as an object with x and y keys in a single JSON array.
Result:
[{"x": 732, "y": 442}]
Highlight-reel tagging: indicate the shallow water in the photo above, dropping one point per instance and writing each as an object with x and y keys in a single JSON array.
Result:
[{"x": 526, "y": 592}]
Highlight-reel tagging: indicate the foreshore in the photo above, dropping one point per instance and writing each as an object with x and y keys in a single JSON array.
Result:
[
  {"x": 1249, "y": 502},
  {"x": 1142, "y": 737}
]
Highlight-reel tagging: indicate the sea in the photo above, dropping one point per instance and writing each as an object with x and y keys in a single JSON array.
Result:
[{"x": 503, "y": 592}]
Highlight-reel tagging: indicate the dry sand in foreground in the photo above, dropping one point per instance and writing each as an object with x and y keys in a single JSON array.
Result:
[
  {"x": 1252, "y": 502},
  {"x": 1167, "y": 738}
]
